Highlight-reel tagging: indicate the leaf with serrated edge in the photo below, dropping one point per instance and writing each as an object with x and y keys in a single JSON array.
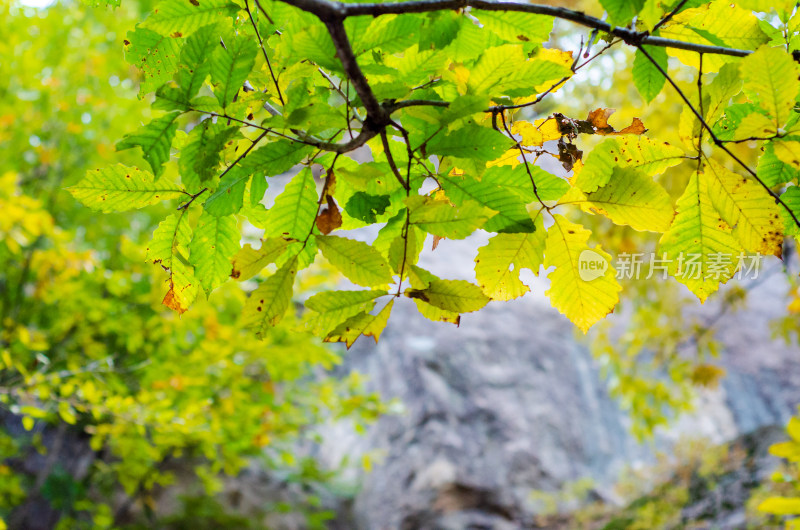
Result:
[
  {"x": 499, "y": 262},
  {"x": 583, "y": 302},
  {"x": 120, "y": 188},
  {"x": 267, "y": 305},
  {"x": 420, "y": 279},
  {"x": 230, "y": 67},
  {"x": 698, "y": 229},
  {"x": 183, "y": 17},
  {"x": 458, "y": 296},
  {"x": 441, "y": 218},
  {"x": 333, "y": 308},
  {"x": 746, "y": 207},
  {"x": 638, "y": 152},
  {"x": 248, "y": 261},
  {"x": 215, "y": 241},
  {"x": 772, "y": 75},
  {"x": 155, "y": 139},
  {"x": 361, "y": 324},
  {"x": 634, "y": 199},
  {"x": 295, "y": 208},
  {"x": 646, "y": 77},
  {"x": 359, "y": 262},
  {"x": 169, "y": 249}
]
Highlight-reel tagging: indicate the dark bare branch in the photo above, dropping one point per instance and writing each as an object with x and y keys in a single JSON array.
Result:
[{"x": 329, "y": 11}]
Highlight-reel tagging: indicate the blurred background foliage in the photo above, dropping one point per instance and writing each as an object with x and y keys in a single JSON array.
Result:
[{"x": 88, "y": 353}]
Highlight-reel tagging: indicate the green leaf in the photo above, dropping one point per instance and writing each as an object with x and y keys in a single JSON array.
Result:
[
  {"x": 746, "y": 207},
  {"x": 361, "y": 324},
  {"x": 230, "y": 66},
  {"x": 699, "y": 235},
  {"x": 621, "y": 12},
  {"x": 120, "y": 188},
  {"x": 248, "y": 261},
  {"x": 516, "y": 27},
  {"x": 583, "y": 301},
  {"x": 155, "y": 55},
  {"x": 155, "y": 139},
  {"x": 504, "y": 70},
  {"x": 470, "y": 141},
  {"x": 366, "y": 207},
  {"x": 791, "y": 198},
  {"x": 499, "y": 262},
  {"x": 634, "y": 199},
  {"x": 194, "y": 65},
  {"x": 772, "y": 170},
  {"x": 274, "y": 158},
  {"x": 511, "y": 216},
  {"x": 549, "y": 187},
  {"x": 726, "y": 85},
  {"x": 646, "y": 77},
  {"x": 772, "y": 76},
  {"x": 442, "y": 219},
  {"x": 183, "y": 17},
  {"x": 215, "y": 241},
  {"x": 333, "y": 308},
  {"x": 295, "y": 208},
  {"x": 313, "y": 44},
  {"x": 169, "y": 248},
  {"x": 267, "y": 305},
  {"x": 390, "y": 34},
  {"x": 717, "y": 23},
  {"x": 228, "y": 198},
  {"x": 258, "y": 188},
  {"x": 638, "y": 152},
  {"x": 458, "y": 296},
  {"x": 201, "y": 155},
  {"x": 405, "y": 249},
  {"x": 359, "y": 262},
  {"x": 170, "y": 240},
  {"x": 421, "y": 279}
]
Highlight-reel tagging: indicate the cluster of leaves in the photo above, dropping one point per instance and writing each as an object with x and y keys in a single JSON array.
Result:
[
  {"x": 85, "y": 343},
  {"x": 436, "y": 99}
]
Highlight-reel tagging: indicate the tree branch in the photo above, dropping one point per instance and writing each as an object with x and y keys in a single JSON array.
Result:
[
  {"x": 375, "y": 111},
  {"x": 328, "y": 11},
  {"x": 719, "y": 143},
  {"x": 264, "y": 51}
]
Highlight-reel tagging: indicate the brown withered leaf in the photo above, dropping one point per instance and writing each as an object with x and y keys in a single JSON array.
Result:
[
  {"x": 436, "y": 240},
  {"x": 330, "y": 218},
  {"x": 598, "y": 119},
  {"x": 636, "y": 127},
  {"x": 172, "y": 301},
  {"x": 568, "y": 154}
]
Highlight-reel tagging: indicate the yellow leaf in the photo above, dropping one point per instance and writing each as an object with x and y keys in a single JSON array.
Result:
[
  {"x": 781, "y": 505},
  {"x": 701, "y": 251},
  {"x": 582, "y": 286},
  {"x": 746, "y": 207},
  {"x": 788, "y": 151}
]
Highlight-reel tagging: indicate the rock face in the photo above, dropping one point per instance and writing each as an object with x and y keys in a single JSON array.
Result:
[{"x": 511, "y": 402}]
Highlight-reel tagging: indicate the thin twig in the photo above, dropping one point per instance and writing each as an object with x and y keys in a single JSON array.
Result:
[
  {"x": 388, "y": 151},
  {"x": 264, "y": 51},
  {"x": 719, "y": 143},
  {"x": 669, "y": 15}
]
